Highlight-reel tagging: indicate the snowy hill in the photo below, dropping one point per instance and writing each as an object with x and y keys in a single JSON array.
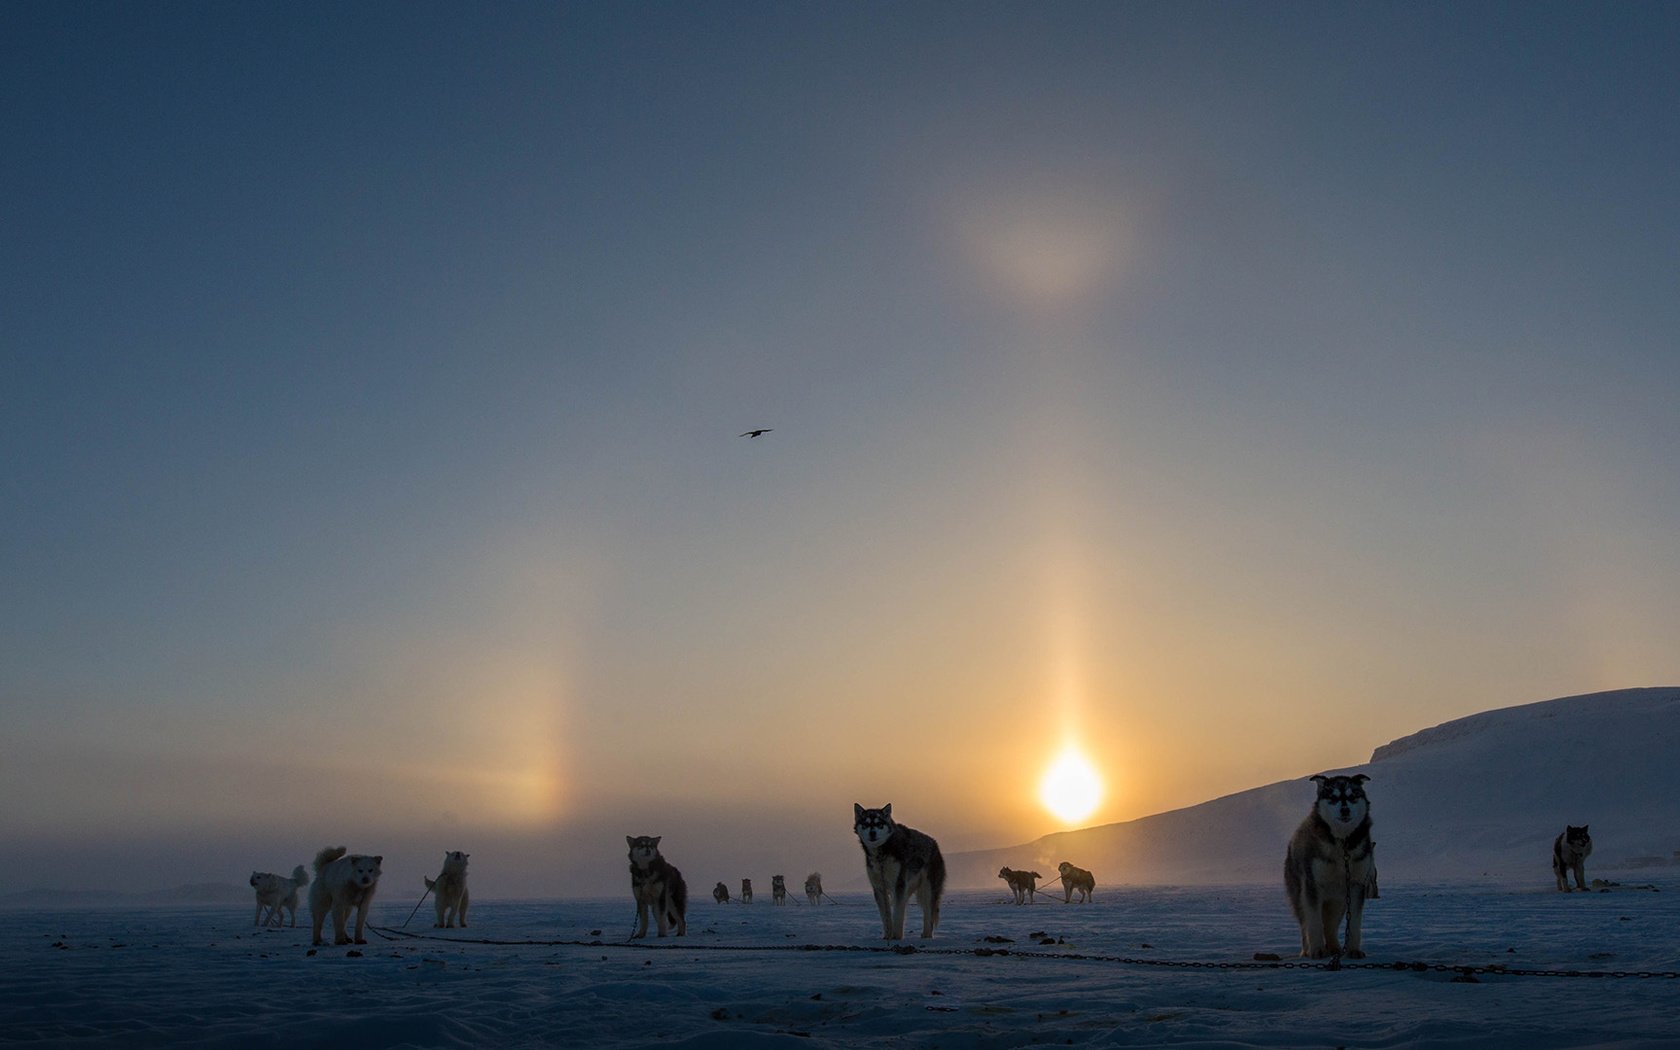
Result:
[{"x": 1478, "y": 796}]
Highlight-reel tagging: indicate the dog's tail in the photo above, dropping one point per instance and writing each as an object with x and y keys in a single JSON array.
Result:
[
  {"x": 300, "y": 876},
  {"x": 327, "y": 856},
  {"x": 430, "y": 885}
]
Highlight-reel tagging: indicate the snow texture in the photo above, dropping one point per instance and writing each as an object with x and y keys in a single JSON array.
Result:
[{"x": 193, "y": 976}]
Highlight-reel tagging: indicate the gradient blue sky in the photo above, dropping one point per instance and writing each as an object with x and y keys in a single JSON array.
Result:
[{"x": 1226, "y": 388}]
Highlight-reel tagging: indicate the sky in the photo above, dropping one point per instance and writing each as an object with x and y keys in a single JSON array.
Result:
[{"x": 1221, "y": 390}]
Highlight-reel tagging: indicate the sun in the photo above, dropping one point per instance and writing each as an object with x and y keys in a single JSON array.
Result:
[{"x": 1071, "y": 787}]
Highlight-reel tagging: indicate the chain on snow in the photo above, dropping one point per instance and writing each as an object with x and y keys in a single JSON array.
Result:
[{"x": 1458, "y": 970}]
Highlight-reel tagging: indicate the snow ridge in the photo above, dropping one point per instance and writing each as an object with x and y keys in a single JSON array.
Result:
[{"x": 1630, "y": 701}]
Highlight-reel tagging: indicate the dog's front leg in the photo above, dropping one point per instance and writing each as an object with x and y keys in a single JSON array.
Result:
[
  {"x": 885, "y": 909},
  {"x": 1312, "y": 928},
  {"x": 900, "y": 905},
  {"x": 641, "y": 919},
  {"x": 361, "y": 921},
  {"x": 340, "y": 913},
  {"x": 1331, "y": 924}
]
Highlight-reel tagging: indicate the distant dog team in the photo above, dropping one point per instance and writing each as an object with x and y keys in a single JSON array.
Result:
[{"x": 1329, "y": 872}]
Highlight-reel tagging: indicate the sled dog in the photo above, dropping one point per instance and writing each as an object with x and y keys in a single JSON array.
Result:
[
  {"x": 277, "y": 893},
  {"x": 1328, "y": 870},
  {"x": 746, "y": 891},
  {"x": 778, "y": 890},
  {"x": 813, "y": 887},
  {"x": 450, "y": 890},
  {"x": 1569, "y": 854},
  {"x": 720, "y": 893},
  {"x": 342, "y": 882},
  {"x": 1023, "y": 884},
  {"x": 1076, "y": 880},
  {"x": 901, "y": 863},
  {"x": 657, "y": 886}
]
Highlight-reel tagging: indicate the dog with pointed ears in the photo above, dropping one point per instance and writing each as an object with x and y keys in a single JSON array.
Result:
[
  {"x": 901, "y": 863},
  {"x": 1329, "y": 869}
]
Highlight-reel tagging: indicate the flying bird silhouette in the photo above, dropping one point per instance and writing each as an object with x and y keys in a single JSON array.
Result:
[{"x": 755, "y": 433}]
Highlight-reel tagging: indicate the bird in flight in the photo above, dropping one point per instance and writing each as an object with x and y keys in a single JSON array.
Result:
[{"x": 756, "y": 433}]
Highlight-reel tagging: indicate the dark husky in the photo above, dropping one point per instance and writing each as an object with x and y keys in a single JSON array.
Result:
[
  {"x": 1329, "y": 869},
  {"x": 901, "y": 862},
  {"x": 657, "y": 886},
  {"x": 1569, "y": 854},
  {"x": 1023, "y": 884}
]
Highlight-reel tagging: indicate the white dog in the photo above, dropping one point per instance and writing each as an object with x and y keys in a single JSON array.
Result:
[
  {"x": 451, "y": 889},
  {"x": 341, "y": 883},
  {"x": 277, "y": 893}
]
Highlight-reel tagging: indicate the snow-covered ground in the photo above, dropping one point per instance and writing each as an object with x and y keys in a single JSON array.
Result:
[{"x": 744, "y": 977}]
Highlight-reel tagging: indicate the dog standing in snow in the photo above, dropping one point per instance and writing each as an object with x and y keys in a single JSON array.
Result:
[
  {"x": 901, "y": 863},
  {"x": 658, "y": 887},
  {"x": 1023, "y": 884},
  {"x": 450, "y": 890},
  {"x": 1076, "y": 880},
  {"x": 1569, "y": 854},
  {"x": 341, "y": 883},
  {"x": 1329, "y": 870},
  {"x": 277, "y": 893}
]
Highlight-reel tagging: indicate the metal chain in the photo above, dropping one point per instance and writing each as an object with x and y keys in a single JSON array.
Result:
[{"x": 1460, "y": 970}]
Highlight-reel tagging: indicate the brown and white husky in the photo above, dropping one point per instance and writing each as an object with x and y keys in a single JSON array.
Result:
[{"x": 1076, "y": 880}]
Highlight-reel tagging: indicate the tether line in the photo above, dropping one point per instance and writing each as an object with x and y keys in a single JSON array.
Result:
[{"x": 1459, "y": 969}]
